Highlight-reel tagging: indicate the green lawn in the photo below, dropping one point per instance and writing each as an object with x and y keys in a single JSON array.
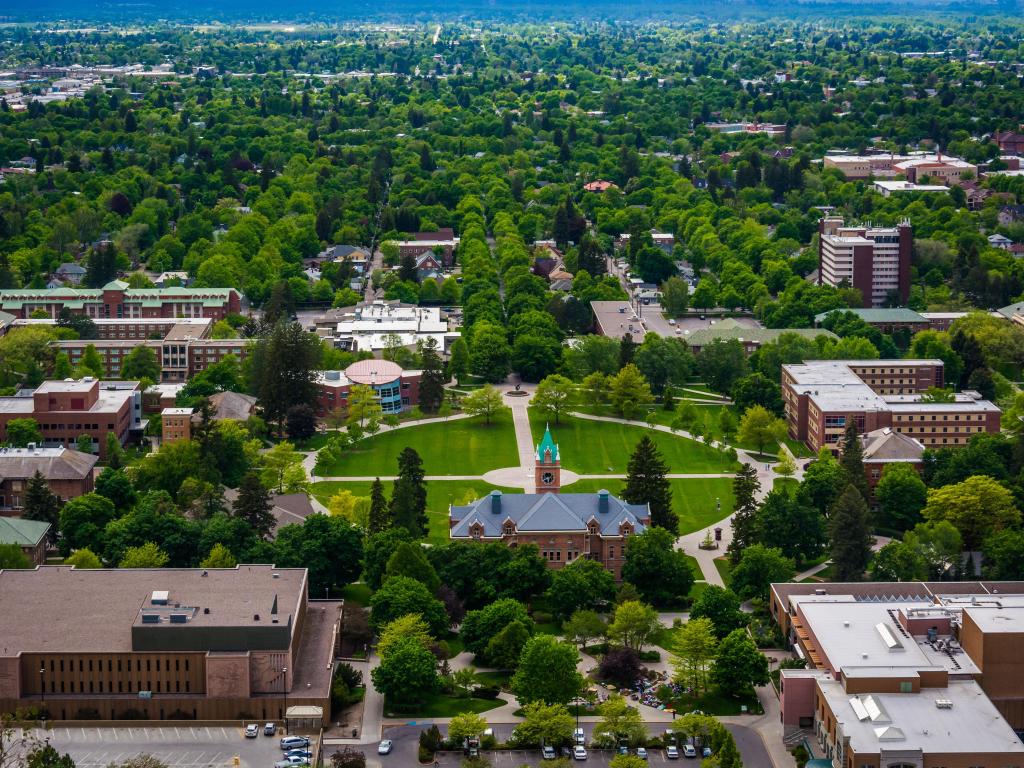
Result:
[
  {"x": 440, "y": 494},
  {"x": 724, "y": 566},
  {"x": 440, "y": 705},
  {"x": 798, "y": 449},
  {"x": 694, "y": 500},
  {"x": 696, "y": 590},
  {"x": 461, "y": 447},
  {"x": 788, "y": 483},
  {"x": 496, "y": 678},
  {"x": 594, "y": 447}
]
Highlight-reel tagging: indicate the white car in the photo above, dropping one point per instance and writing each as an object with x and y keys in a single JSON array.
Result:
[
  {"x": 288, "y": 762},
  {"x": 252, "y": 731},
  {"x": 385, "y": 747},
  {"x": 578, "y": 736},
  {"x": 548, "y": 753},
  {"x": 672, "y": 752},
  {"x": 294, "y": 742},
  {"x": 641, "y": 752},
  {"x": 689, "y": 751},
  {"x": 579, "y": 752}
]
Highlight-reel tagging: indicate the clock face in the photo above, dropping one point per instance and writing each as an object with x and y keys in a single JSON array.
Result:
[{"x": 547, "y": 478}]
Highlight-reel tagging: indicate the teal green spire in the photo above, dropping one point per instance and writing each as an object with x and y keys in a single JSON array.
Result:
[{"x": 547, "y": 443}]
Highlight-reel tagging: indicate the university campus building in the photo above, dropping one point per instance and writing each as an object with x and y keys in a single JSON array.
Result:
[
  {"x": 905, "y": 675},
  {"x": 396, "y": 389},
  {"x": 68, "y": 473},
  {"x": 116, "y": 300},
  {"x": 166, "y": 643},
  {"x": 875, "y": 260},
  {"x": 564, "y": 526},
  {"x": 822, "y": 396}
]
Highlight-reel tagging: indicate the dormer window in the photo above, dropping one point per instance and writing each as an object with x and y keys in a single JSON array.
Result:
[
  {"x": 476, "y": 530},
  {"x": 509, "y": 529}
]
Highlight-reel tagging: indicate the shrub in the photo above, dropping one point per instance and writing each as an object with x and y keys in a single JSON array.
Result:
[
  {"x": 487, "y": 692},
  {"x": 543, "y": 617},
  {"x": 425, "y": 755}
]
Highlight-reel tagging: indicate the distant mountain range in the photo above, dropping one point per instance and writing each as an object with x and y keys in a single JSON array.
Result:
[{"x": 512, "y": 10}]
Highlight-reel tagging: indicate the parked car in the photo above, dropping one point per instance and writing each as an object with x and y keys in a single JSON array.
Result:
[
  {"x": 385, "y": 747},
  {"x": 578, "y": 736},
  {"x": 305, "y": 754},
  {"x": 269, "y": 729},
  {"x": 672, "y": 752},
  {"x": 294, "y": 742},
  {"x": 548, "y": 753},
  {"x": 706, "y": 752},
  {"x": 641, "y": 752},
  {"x": 689, "y": 751},
  {"x": 290, "y": 761},
  {"x": 579, "y": 752},
  {"x": 252, "y": 731}
]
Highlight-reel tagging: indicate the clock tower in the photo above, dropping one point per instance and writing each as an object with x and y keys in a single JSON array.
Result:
[{"x": 547, "y": 469}]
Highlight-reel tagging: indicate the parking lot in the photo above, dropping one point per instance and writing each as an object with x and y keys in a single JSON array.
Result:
[{"x": 182, "y": 746}]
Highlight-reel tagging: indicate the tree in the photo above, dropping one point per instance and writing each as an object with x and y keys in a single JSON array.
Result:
[
  {"x": 850, "y": 536},
  {"x": 253, "y": 505},
  {"x": 901, "y": 495},
  {"x": 479, "y": 627},
  {"x": 140, "y": 364},
  {"x": 727, "y": 425},
  {"x": 693, "y": 652},
  {"x": 547, "y": 672},
  {"x": 458, "y": 362},
  {"x": 12, "y": 557},
  {"x": 745, "y": 487},
  {"x": 22, "y": 431},
  {"x": 408, "y": 560},
  {"x": 554, "y": 396},
  {"x": 786, "y": 466},
  {"x": 823, "y": 481},
  {"x": 759, "y": 567},
  {"x": 759, "y": 427},
  {"x": 301, "y": 422},
  {"x": 432, "y": 379},
  {"x": 595, "y": 389},
  {"x": 377, "y": 551},
  {"x": 620, "y": 666},
  {"x": 282, "y": 468},
  {"x": 633, "y": 624},
  {"x": 660, "y": 572},
  {"x": 584, "y": 626},
  {"x": 82, "y": 522},
  {"x": 796, "y": 529},
  {"x": 621, "y": 722},
  {"x": 675, "y": 296},
  {"x": 506, "y": 648},
  {"x": 149, "y": 555},
  {"x": 663, "y": 362},
  {"x": 1003, "y": 555},
  {"x": 408, "y": 674},
  {"x": 489, "y": 352},
  {"x": 647, "y": 483},
  {"x": 548, "y": 724},
  {"x": 721, "y": 606},
  {"x": 408, "y": 505},
  {"x": 83, "y": 558},
  {"x": 219, "y": 557},
  {"x": 41, "y": 504},
  {"x": 363, "y": 405},
  {"x": 284, "y": 366},
  {"x": 852, "y": 460},
  {"x": 757, "y": 389},
  {"x": 380, "y": 511},
  {"x": 486, "y": 402},
  {"x": 91, "y": 363},
  {"x": 706, "y": 294},
  {"x": 582, "y": 584},
  {"x": 464, "y": 726},
  {"x": 348, "y": 757},
  {"x": 401, "y": 595},
  {"x": 739, "y": 666},
  {"x": 977, "y": 507},
  {"x": 410, "y": 625},
  {"x": 721, "y": 363},
  {"x": 630, "y": 391},
  {"x": 627, "y": 761}
]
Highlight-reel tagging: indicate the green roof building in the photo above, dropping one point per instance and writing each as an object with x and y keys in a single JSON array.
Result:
[
  {"x": 751, "y": 338},
  {"x": 29, "y": 535}
]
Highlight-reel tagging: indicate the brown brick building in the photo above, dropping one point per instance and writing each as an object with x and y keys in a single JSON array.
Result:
[
  {"x": 116, "y": 300},
  {"x": 159, "y": 644},
  {"x": 564, "y": 526},
  {"x": 397, "y": 389},
  {"x": 67, "y": 409},
  {"x": 69, "y": 473},
  {"x": 822, "y": 396}
]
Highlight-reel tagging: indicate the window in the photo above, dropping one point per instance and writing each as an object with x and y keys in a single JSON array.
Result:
[{"x": 906, "y": 687}]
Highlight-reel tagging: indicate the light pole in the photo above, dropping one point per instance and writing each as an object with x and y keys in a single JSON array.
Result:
[
  {"x": 42, "y": 691},
  {"x": 284, "y": 712}
]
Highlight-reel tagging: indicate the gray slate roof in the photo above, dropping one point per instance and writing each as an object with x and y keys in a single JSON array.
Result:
[
  {"x": 542, "y": 512},
  {"x": 54, "y": 464}
]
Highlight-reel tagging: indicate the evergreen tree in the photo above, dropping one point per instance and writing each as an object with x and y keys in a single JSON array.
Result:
[
  {"x": 850, "y": 536},
  {"x": 852, "y": 460},
  {"x": 380, "y": 513},
  {"x": 408, "y": 505},
  {"x": 253, "y": 505},
  {"x": 458, "y": 365},
  {"x": 745, "y": 486},
  {"x": 284, "y": 366},
  {"x": 966, "y": 345},
  {"x": 589, "y": 258},
  {"x": 646, "y": 483},
  {"x": 432, "y": 380},
  {"x": 41, "y": 504},
  {"x": 627, "y": 349}
]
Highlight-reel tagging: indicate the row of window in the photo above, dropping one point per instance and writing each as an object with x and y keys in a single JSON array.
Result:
[
  {"x": 63, "y": 427},
  {"x": 122, "y": 687},
  {"x": 87, "y": 665}
]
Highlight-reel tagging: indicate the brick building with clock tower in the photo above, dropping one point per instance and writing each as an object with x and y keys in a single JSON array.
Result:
[{"x": 564, "y": 526}]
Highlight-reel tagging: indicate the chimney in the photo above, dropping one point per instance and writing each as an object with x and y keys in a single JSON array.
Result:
[
  {"x": 602, "y": 501},
  {"x": 495, "y": 502}
]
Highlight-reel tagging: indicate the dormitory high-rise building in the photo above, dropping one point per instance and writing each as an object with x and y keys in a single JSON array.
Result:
[{"x": 875, "y": 260}]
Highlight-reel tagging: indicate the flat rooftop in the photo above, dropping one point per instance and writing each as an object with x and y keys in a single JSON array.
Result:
[
  {"x": 956, "y": 719},
  {"x": 614, "y": 319},
  {"x": 61, "y": 609}
]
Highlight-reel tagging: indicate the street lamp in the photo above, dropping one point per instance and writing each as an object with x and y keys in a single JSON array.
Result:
[
  {"x": 42, "y": 691},
  {"x": 284, "y": 672}
]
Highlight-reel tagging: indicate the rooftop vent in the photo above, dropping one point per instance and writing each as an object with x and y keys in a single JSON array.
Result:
[
  {"x": 890, "y": 640},
  {"x": 495, "y": 502},
  {"x": 159, "y": 597},
  {"x": 179, "y": 618},
  {"x": 943, "y": 703},
  {"x": 255, "y": 617},
  {"x": 150, "y": 618}
]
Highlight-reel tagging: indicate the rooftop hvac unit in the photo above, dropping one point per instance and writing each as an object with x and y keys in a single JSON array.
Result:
[
  {"x": 179, "y": 618},
  {"x": 151, "y": 618},
  {"x": 944, "y": 703}
]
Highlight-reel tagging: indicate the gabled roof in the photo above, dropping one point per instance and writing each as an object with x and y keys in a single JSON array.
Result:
[
  {"x": 70, "y": 269},
  {"x": 24, "y": 533},
  {"x": 543, "y": 512},
  {"x": 884, "y": 445},
  {"x": 878, "y": 314},
  {"x": 115, "y": 285}
]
